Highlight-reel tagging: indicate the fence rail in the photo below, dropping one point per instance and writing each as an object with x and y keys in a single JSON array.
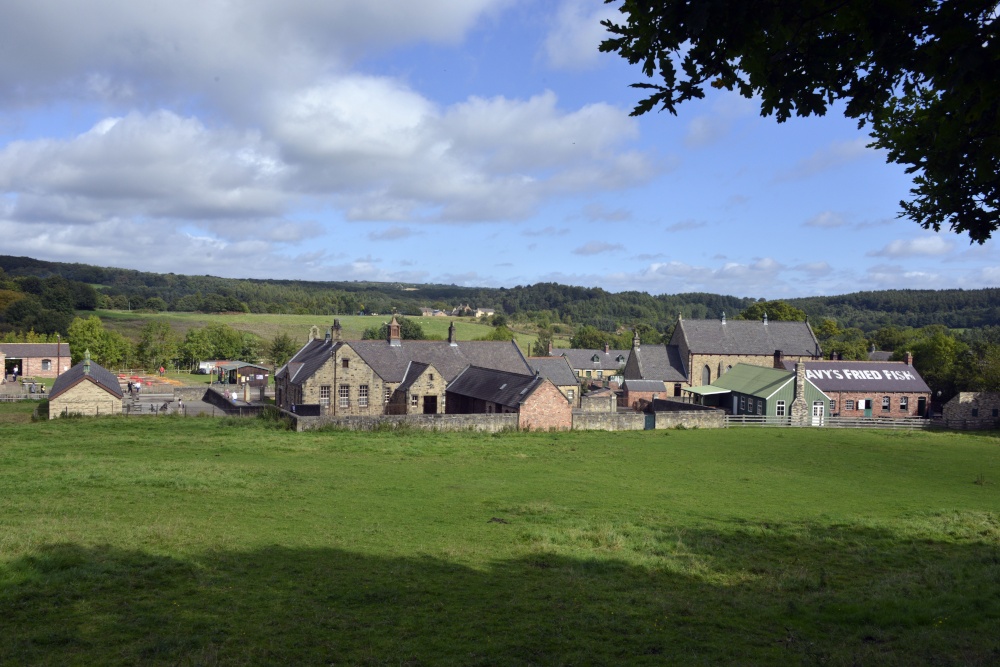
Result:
[{"x": 832, "y": 422}]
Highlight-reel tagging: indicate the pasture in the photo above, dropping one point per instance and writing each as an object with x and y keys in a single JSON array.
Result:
[{"x": 200, "y": 541}]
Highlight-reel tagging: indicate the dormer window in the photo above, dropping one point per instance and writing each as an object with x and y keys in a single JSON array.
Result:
[{"x": 595, "y": 358}]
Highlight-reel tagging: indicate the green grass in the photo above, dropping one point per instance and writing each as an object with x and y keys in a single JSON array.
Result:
[
  {"x": 130, "y": 323},
  {"x": 199, "y": 541}
]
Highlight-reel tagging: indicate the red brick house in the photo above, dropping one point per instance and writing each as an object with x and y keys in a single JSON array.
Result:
[
  {"x": 891, "y": 389},
  {"x": 537, "y": 402}
]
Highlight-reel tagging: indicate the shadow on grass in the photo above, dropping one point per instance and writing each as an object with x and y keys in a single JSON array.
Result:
[{"x": 758, "y": 594}]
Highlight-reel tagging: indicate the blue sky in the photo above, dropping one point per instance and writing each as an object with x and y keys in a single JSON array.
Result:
[{"x": 475, "y": 142}]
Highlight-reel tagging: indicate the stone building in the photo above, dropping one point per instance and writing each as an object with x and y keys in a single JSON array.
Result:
[
  {"x": 85, "y": 389},
  {"x": 636, "y": 391},
  {"x": 888, "y": 389},
  {"x": 35, "y": 360},
  {"x": 973, "y": 410},
  {"x": 538, "y": 403},
  {"x": 361, "y": 377},
  {"x": 700, "y": 351}
]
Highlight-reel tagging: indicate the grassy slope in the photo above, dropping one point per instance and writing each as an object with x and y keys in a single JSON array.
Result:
[
  {"x": 200, "y": 541},
  {"x": 297, "y": 326}
]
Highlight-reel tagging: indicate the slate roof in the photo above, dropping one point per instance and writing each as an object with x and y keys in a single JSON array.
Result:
[
  {"x": 99, "y": 375},
  {"x": 660, "y": 362},
  {"x": 307, "y": 360},
  {"x": 234, "y": 365},
  {"x": 390, "y": 362},
  {"x": 606, "y": 361},
  {"x": 413, "y": 371},
  {"x": 643, "y": 385},
  {"x": 879, "y": 355},
  {"x": 508, "y": 389},
  {"x": 555, "y": 369},
  {"x": 873, "y": 376},
  {"x": 35, "y": 350},
  {"x": 747, "y": 337}
]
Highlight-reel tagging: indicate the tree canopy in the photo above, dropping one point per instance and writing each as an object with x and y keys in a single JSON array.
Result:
[{"x": 922, "y": 74}]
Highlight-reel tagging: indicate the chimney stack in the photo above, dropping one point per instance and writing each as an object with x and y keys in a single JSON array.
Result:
[
  {"x": 451, "y": 335},
  {"x": 909, "y": 358},
  {"x": 395, "y": 337},
  {"x": 337, "y": 330},
  {"x": 607, "y": 347}
]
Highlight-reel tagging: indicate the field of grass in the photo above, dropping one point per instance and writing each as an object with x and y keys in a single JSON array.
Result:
[
  {"x": 200, "y": 541},
  {"x": 130, "y": 323}
]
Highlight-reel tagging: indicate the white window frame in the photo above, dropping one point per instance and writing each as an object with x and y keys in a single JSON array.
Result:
[
  {"x": 886, "y": 404},
  {"x": 849, "y": 404},
  {"x": 779, "y": 409},
  {"x": 324, "y": 395},
  {"x": 363, "y": 396},
  {"x": 387, "y": 396},
  {"x": 414, "y": 400},
  {"x": 904, "y": 403},
  {"x": 344, "y": 396},
  {"x": 46, "y": 364}
]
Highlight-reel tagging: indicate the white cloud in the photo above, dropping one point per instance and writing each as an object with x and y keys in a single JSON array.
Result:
[
  {"x": 927, "y": 246},
  {"x": 814, "y": 268},
  {"x": 826, "y": 220},
  {"x": 577, "y": 33},
  {"x": 597, "y": 248},
  {"x": 686, "y": 225}
]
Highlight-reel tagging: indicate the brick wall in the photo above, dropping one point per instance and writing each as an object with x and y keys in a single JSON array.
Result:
[
  {"x": 895, "y": 411},
  {"x": 85, "y": 398},
  {"x": 546, "y": 409}
]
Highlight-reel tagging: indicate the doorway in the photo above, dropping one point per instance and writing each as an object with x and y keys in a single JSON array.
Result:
[{"x": 430, "y": 405}]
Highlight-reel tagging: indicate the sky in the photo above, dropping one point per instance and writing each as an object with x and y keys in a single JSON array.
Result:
[{"x": 468, "y": 142}]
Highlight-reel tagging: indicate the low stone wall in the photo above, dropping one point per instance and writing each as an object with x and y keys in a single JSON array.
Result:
[
  {"x": 484, "y": 423},
  {"x": 191, "y": 393},
  {"x": 704, "y": 418},
  {"x": 608, "y": 421}
]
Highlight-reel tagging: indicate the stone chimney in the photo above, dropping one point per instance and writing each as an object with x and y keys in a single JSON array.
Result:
[
  {"x": 451, "y": 335},
  {"x": 909, "y": 358},
  {"x": 550, "y": 347},
  {"x": 777, "y": 359},
  {"x": 313, "y": 332},
  {"x": 635, "y": 339},
  {"x": 607, "y": 347},
  {"x": 799, "y": 410},
  {"x": 395, "y": 337},
  {"x": 336, "y": 330}
]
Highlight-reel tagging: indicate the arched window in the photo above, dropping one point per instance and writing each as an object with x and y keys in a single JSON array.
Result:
[{"x": 706, "y": 375}]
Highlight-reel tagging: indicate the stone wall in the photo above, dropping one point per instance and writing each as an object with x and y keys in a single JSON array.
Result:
[
  {"x": 972, "y": 410},
  {"x": 599, "y": 402},
  {"x": 608, "y": 421},
  {"x": 717, "y": 361},
  {"x": 439, "y": 422},
  {"x": 709, "y": 418},
  {"x": 85, "y": 398}
]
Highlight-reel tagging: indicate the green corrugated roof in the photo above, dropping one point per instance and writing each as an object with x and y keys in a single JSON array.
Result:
[
  {"x": 707, "y": 389},
  {"x": 754, "y": 380}
]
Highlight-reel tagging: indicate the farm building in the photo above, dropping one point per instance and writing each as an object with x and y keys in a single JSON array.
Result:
[
  {"x": 85, "y": 389},
  {"x": 537, "y": 402},
  {"x": 973, "y": 410}
]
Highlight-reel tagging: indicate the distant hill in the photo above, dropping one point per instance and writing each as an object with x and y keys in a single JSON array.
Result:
[{"x": 542, "y": 302}]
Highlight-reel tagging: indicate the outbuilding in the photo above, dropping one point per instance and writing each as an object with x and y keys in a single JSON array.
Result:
[
  {"x": 538, "y": 403},
  {"x": 890, "y": 389},
  {"x": 85, "y": 389}
]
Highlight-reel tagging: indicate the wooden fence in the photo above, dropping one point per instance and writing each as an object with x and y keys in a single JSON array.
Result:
[{"x": 833, "y": 422}]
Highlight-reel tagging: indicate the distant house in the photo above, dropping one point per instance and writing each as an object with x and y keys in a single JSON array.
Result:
[
  {"x": 35, "y": 360},
  {"x": 558, "y": 371},
  {"x": 654, "y": 363},
  {"x": 594, "y": 364},
  {"x": 539, "y": 405},
  {"x": 634, "y": 391},
  {"x": 766, "y": 392},
  {"x": 85, "y": 389},
  {"x": 243, "y": 372},
  {"x": 394, "y": 376}
]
